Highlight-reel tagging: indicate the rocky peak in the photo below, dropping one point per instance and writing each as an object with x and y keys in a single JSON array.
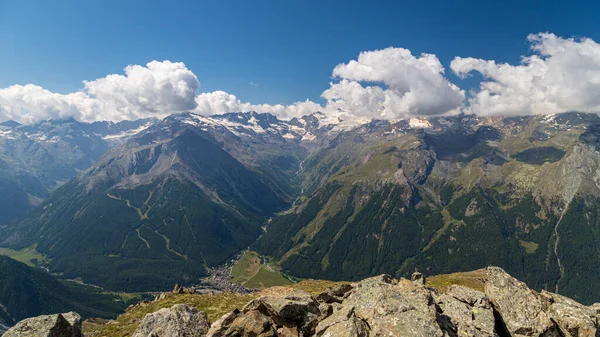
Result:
[
  {"x": 59, "y": 325},
  {"x": 10, "y": 124},
  {"x": 179, "y": 320},
  {"x": 500, "y": 306}
]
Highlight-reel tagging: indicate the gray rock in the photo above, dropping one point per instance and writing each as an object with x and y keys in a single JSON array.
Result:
[
  {"x": 181, "y": 320},
  {"x": 335, "y": 294},
  {"x": 177, "y": 289},
  {"x": 220, "y": 326},
  {"x": 343, "y": 323},
  {"x": 521, "y": 308},
  {"x": 297, "y": 309},
  {"x": 396, "y": 308},
  {"x": 469, "y": 310},
  {"x": 574, "y": 319},
  {"x": 58, "y": 325},
  {"x": 383, "y": 306},
  {"x": 160, "y": 297},
  {"x": 250, "y": 323},
  {"x": 417, "y": 277},
  {"x": 294, "y": 314}
]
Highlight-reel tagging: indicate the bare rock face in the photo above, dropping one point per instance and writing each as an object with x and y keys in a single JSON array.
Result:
[
  {"x": 375, "y": 307},
  {"x": 574, "y": 319},
  {"x": 343, "y": 322},
  {"x": 335, "y": 294},
  {"x": 521, "y": 308},
  {"x": 524, "y": 312},
  {"x": 181, "y": 320},
  {"x": 58, "y": 325},
  {"x": 383, "y": 306},
  {"x": 295, "y": 314},
  {"x": 297, "y": 309},
  {"x": 417, "y": 277},
  {"x": 178, "y": 289},
  {"x": 469, "y": 310}
]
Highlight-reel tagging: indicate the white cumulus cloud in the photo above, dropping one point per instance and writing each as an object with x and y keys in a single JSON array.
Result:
[
  {"x": 561, "y": 75},
  {"x": 157, "y": 89},
  {"x": 30, "y": 103},
  {"x": 389, "y": 83},
  {"x": 218, "y": 102},
  {"x": 404, "y": 85}
]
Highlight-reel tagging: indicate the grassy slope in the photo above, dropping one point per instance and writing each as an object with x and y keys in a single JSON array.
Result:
[
  {"x": 246, "y": 267},
  {"x": 250, "y": 272},
  {"x": 30, "y": 256},
  {"x": 472, "y": 279},
  {"x": 266, "y": 277}
]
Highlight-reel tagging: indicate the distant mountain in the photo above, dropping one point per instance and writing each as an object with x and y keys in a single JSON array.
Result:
[
  {"x": 26, "y": 291},
  {"x": 330, "y": 198},
  {"x": 187, "y": 193},
  {"x": 448, "y": 194},
  {"x": 10, "y": 124},
  {"x": 36, "y": 159}
]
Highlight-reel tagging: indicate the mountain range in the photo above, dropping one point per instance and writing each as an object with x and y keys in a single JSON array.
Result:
[
  {"x": 156, "y": 202},
  {"x": 36, "y": 159}
]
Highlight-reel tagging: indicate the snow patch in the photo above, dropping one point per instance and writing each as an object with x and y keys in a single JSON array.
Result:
[{"x": 419, "y": 123}]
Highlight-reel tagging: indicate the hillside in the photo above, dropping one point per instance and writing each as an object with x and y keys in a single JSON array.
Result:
[
  {"x": 163, "y": 206},
  {"x": 27, "y": 292},
  {"x": 36, "y": 159},
  {"x": 457, "y": 193}
]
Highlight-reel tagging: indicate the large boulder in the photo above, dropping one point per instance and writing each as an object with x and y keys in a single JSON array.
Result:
[
  {"x": 520, "y": 308},
  {"x": 293, "y": 314},
  {"x": 343, "y": 322},
  {"x": 181, "y": 320},
  {"x": 387, "y": 307},
  {"x": 469, "y": 310},
  {"x": 58, "y": 325},
  {"x": 574, "y": 319},
  {"x": 297, "y": 309},
  {"x": 335, "y": 294},
  {"x": 251, "y": 323}
]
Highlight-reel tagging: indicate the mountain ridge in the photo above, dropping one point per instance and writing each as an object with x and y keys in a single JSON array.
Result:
[
  {"x": 36, "y": 159},
  {"x": 445, "y": 180}
]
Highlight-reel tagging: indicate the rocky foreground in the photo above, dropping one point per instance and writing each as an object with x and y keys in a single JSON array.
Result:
[{"x": 377, "y": 306}]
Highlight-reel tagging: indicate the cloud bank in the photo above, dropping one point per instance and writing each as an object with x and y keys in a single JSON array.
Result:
[
  {"x": 218, "y": 102},
  {"x": 154, "y": 90},
  {"x": 561, "y": 74}
]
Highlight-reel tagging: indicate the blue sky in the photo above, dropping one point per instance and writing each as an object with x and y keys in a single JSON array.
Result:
[{"x": 288, "y": 48}]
